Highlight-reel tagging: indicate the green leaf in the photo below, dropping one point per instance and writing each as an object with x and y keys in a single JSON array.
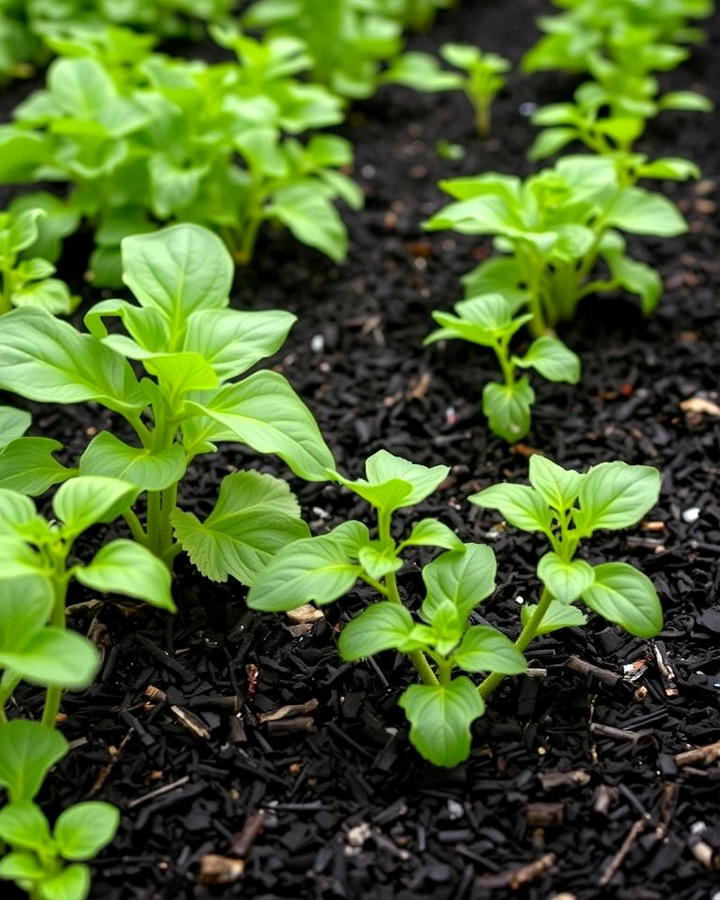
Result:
[
  {"x": 54, "y": 656},
  {"x": 126, "y": 568},
  {"x": 550, "y": 141},
  {"x": 670, "y": 167},
  {"x": 50, "y": 294},
  {"x": 440, "y": 717},
  {"x": 432, "y": 533},
  {"x": 73, "y": 883},
  {"x": 616, "y": 495},
  {"x": 485, "y": 649},
  {"x": 518, "y": 504},
  {"x": 378, "y": 560},
  {"x": 264, "y": 412},
  {"x": 256, "y": 515},
  {"x": 24, "y": 825},
  {"x": 557, "y": 486},
  {"x": 312, "y": 218},
  {"x": 46, "y": 359},
  {"x": 178, "y": 270},
  {"x": 507, "y": 407},
  {"x": 316, "y": 569},
  {"x": 382, "y": 626},
  {"x": 463, "y": 577},
  {"x": 421, "y": 72},
  {"x": 85, "y": 828},
  {"x": 392, "y": 482},
  {"x": 447, "y": 626},
  {"x": 642, "y": 212},
  {"x": 637, "y": 277},
  {"x": 13, "y": 424},
  {"x": 27, "y": 465},
  {"x": 150, "y": 471},
  {"x": 558, "y": 615},
  {"x": 565, "y": 580},
  {"x": 16, "y": 510},
  {"x": 25, "y": 609},
  {"x": 622, "y": 594},
  {"x": 28, "y": 750},
  {"x": 90, "y": 499},
  {"x": 689, "y": 101},
  {"x": 21, "y": 866},
  {"x": 552, "y": 359},
  {"x": 233, "y": 341}
]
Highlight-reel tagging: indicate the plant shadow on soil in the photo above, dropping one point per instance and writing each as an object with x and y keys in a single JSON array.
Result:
[{"x": 350, "y": 811}]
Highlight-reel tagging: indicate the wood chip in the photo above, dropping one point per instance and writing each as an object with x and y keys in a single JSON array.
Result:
[
  {"x": 216, "y": 869},
  {"x": 305, "y": 614}
]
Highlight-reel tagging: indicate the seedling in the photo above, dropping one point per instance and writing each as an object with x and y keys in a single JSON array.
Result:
[
  {"x": 192, "y": 348},
  {"x": 555, "y": 227},
  {"x": 489, "y": 321},
  {"x": 567, "y": 508},
  {"x": 27, "y": 281},
  {"x": 416, "y": 14},
  {"x": 442, "y": 708},
  {"x": 143, "y": 138},
  {"x": 48, "y": 866}
]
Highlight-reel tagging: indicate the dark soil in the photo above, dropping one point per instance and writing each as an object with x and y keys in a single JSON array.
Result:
[{"x": 349, "y": 809}]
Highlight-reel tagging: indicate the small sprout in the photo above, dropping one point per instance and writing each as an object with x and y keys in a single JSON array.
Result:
[
  {"x": 484, "y": 79},
  {"x": 490, "y": 321}
]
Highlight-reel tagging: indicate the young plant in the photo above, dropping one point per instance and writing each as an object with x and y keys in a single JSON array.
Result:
[
  {"x": 490, "y": 321},
  {"x": 39, "y": 551},
  {"x": 567, "y": 508},
  {"x": 145, "y": 139},
  {"x": 27, "y": 281},
  {"x": 606, "y": 128},
  {"x": 445, "y": 644},
  {"x": 347, "y": 41},
  {"x": 416, "y": 14},
  {"x": 192, "y": 348},
  {"x": 483, "y": 80},
  {"x": 555, "y": 227},
  {"x": 48, "y": 866}
]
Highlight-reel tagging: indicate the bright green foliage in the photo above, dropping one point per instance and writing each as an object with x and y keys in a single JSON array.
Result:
[
  {"x": 415, "y": 14},
  {"x": 567, "y": 507},
  {"x": 192, "y": 348},
  {"x": 555, "y": 228},
  {"x": 607, "y": 128},
  {"x": 631, "y": 34},
  {"x": 144, "y": 138},
  {"x": 347, "y": 40},
  {"x": 25, "y": 23},
  {"x": 50, "y": 865},
  {"x": 324, "y": 568},
  {"x": 489, "y": 320},
  {"x": 482, "y": 78},
  {"x": 26, "y": 279}
]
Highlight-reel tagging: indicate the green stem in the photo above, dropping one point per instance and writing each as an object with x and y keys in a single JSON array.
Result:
[
  {"x": 57, "y": 618},
  {"x": 482, "y": 118},
  {"x": 526, "y": 637},
  {"x": 154, "y": 499},
  {"x": 135, "y": 527},
  {"x": 6, "y": 692},
  {"x": 167, "y": 505}
]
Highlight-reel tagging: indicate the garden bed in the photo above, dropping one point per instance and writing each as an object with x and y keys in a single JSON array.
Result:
[{"x": 574, "y": 786}]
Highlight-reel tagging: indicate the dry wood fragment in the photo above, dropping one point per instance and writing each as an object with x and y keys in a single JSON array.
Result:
[
  {"x": 531, "y": 871},
  {"x": 292, "y": 726},
  {"x": 291, "y": 711},
  {"x": 305, "y": 614},
  {"x": 586, "y": 668},
  {"x": 707, "y": 754},
  {"x": 184, "y": 716},
  {"x": 612, "y": 867},
  {"x": 544, "y": 815},
  {"x": 665, "y": 668},
  {"x": 603, "y": 798},
  {"x": 216, "y": 869},
  {"x": 242, "y": 841},
  {"x": 552, "y": 780},
  {"x": 158, "y": 792},
  {"x": 640, "y": 738},
  {"x": 115, "y": 756}
]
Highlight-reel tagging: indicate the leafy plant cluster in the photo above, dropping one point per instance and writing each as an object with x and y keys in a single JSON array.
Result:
[
  {"x": 448, "y": 640},
  {"x": 143, "y": 139},
  {"x": 24, "y": 24},
  {"x": 560, "y": 234}
]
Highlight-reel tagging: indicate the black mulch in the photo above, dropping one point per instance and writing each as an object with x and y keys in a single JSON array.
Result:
[{"x": 568, "y": 769}]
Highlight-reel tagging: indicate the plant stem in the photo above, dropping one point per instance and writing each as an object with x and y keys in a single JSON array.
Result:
[
  {"x": 168, "y": 501},
  {"x": 57, "y": 618},
  {"x": 482, "y": 118},
  {"x": 419, "y": 660},
  {"x": 153, "y": 521},
  {"x": 135, "y": 527},
  {"x": 526, "y": 637}
]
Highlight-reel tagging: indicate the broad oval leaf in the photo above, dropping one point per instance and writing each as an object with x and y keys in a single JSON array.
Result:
[
  {"x": 13, "y": 424},
  {"x": 616, "y": 495},
  {"x": 519, "y": 504},
  {"x": 28, "y": 750},
  {"x": 440, "y": 717},
  {"x": 109, "y": 456},
  {"x": 508, "y": 408},
  {"x": 27, "y": 465},
  {"x": 463, "y": 577},
  {"x": 54, "y": 656},
  {"x": 85, "y": 828},
  {"x": 622, "y": 594},
  {"x": 485, "y": 649},
  {"x": 24, "y": 825},
  {"x": 382, "y": 626},
  {"x": 90, "y": 499},
  {"x": 432, "y": 533},
  {"x": 558, "y": 615},
  {"x": 255, "y": 516},
  {"x": 126, "y": 568},
  {"x": 552, "y": 359},
  {"x": 565, "y": 580},
  {"x": 557, "y": 486}
]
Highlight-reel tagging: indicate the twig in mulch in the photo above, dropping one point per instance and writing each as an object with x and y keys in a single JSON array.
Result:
[
  {"x": 292, "y": 711},
  {"x": 552, "y": 780},
  {"x": 603, "y": 798},
  {"x": 703, "y": 852},
  {"x": 115, "y": 756},
  {"x": 242, "y": 841},
  {"x": 665, "y": 668},
  {"x": 186, "y": 718},
  {"x": 639, "y": 738},
  {"x": 706, "y": 754},
  {"x": 516, "y": 878},
  {"x": 612, "y": 867},
  {"x": 586, "y": 668},
  {"x": 544, "y": 815},
  {"x": 159, "y": 792}
]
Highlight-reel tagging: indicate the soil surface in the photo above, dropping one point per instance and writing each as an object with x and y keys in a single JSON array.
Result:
[{"x": 573, "y": 788}]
